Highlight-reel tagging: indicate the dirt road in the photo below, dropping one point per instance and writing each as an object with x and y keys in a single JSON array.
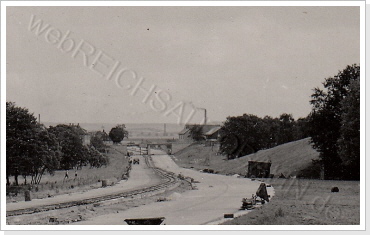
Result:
[
  {"x": 214, "y": 196},
  {"x": 141, "y": 176}
]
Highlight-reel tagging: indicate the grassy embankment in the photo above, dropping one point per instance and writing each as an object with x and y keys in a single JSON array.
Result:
[
  {"x": 307, "y": 202},
  {"x": 289, "y": 159},
  {"x": 87, "y": 178},
  {"x": 296, "y": 201}
]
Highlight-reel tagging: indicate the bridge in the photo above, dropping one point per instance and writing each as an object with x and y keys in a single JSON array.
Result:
[{"x": 145, "y": 148}]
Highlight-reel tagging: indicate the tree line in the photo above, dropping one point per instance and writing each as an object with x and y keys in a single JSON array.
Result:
[
  {"x": 33, "y": 149},
  {"x": 246, "y": 134},
  {"x": 333, "y": 125}
]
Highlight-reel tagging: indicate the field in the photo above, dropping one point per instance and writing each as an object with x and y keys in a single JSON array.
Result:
[
  {"x": 307, "y": 202},
  {"x": 87, "y": 178}
]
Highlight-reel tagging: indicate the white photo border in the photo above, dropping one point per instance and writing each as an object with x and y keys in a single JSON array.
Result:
[{"x": 4, "y": 5}]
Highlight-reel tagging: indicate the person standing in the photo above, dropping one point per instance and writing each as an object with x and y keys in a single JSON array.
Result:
[{"x": 66, "y": 175}]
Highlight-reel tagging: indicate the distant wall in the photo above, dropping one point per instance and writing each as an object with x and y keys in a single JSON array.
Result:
[{"x": 124, "y": 149}]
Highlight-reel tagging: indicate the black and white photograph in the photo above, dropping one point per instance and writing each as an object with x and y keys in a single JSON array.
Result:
[{"x": 186, "y": 115}]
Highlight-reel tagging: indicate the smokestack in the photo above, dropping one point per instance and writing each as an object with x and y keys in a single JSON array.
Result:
[
  {"x": 205, "y": 116},
  {"x": 39, "y": 119}
]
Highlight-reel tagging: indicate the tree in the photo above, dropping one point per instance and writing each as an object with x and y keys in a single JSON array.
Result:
[
  {"x": 96, "y": 159},
  {"x": 272, "y": 129},
  {"x": 349, "y": 141},
  {"x": 20, "y": 125},
  {"x": 45, "y": 155},
  {"x": 196, "y": 132},
  {"x": 118, "y": 133},
  {"x": 302, "y": 128},
  {"x": 30, "y": 149},
  {"x": 69, "y": 137},
  {"x": 97, "y": 141},
  {"x": 242, "y": 135},
  {"x": 325, "y": 119},
  {"x": 285, "y": 131}
]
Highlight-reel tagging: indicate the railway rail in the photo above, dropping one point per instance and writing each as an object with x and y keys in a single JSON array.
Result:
[{"x": 168, "y": 180}]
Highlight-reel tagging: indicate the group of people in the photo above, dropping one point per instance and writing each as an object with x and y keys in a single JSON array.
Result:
[{"x": 66, "y": 176}]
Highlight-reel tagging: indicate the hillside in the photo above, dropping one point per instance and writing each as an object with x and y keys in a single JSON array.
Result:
[{"x": 289, "y": 158}]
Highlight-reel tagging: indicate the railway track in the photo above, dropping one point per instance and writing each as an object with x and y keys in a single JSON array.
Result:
[{"x": 168, "y": 179}]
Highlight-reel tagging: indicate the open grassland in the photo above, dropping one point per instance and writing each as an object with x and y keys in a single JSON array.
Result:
[
  {"x": 307, "y": 202},
  {"x": 87, "y": 178}
]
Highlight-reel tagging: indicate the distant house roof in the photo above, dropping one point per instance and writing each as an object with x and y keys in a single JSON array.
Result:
[
  {"x": 205, "y": 129},
  {"x": 184, "y": 131},
  {"x": 213, "y": 130}
]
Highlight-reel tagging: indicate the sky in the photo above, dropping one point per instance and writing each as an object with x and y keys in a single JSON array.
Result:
[{"x": 168, "y": 64}]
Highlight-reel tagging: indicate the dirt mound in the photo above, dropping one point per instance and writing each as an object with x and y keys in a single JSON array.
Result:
[{"x": 174, "y": 196}]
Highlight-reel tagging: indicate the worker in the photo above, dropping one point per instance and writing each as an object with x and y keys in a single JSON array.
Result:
[{"x": 66, "y": 175}]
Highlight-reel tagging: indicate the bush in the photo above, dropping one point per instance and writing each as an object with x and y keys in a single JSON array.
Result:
[
  {"x": 279, "y": 212},
  {"x": 312, "y": 171}
]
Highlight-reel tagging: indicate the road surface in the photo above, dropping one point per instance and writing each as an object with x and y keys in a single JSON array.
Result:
[{"x": 215, "y": 195}]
